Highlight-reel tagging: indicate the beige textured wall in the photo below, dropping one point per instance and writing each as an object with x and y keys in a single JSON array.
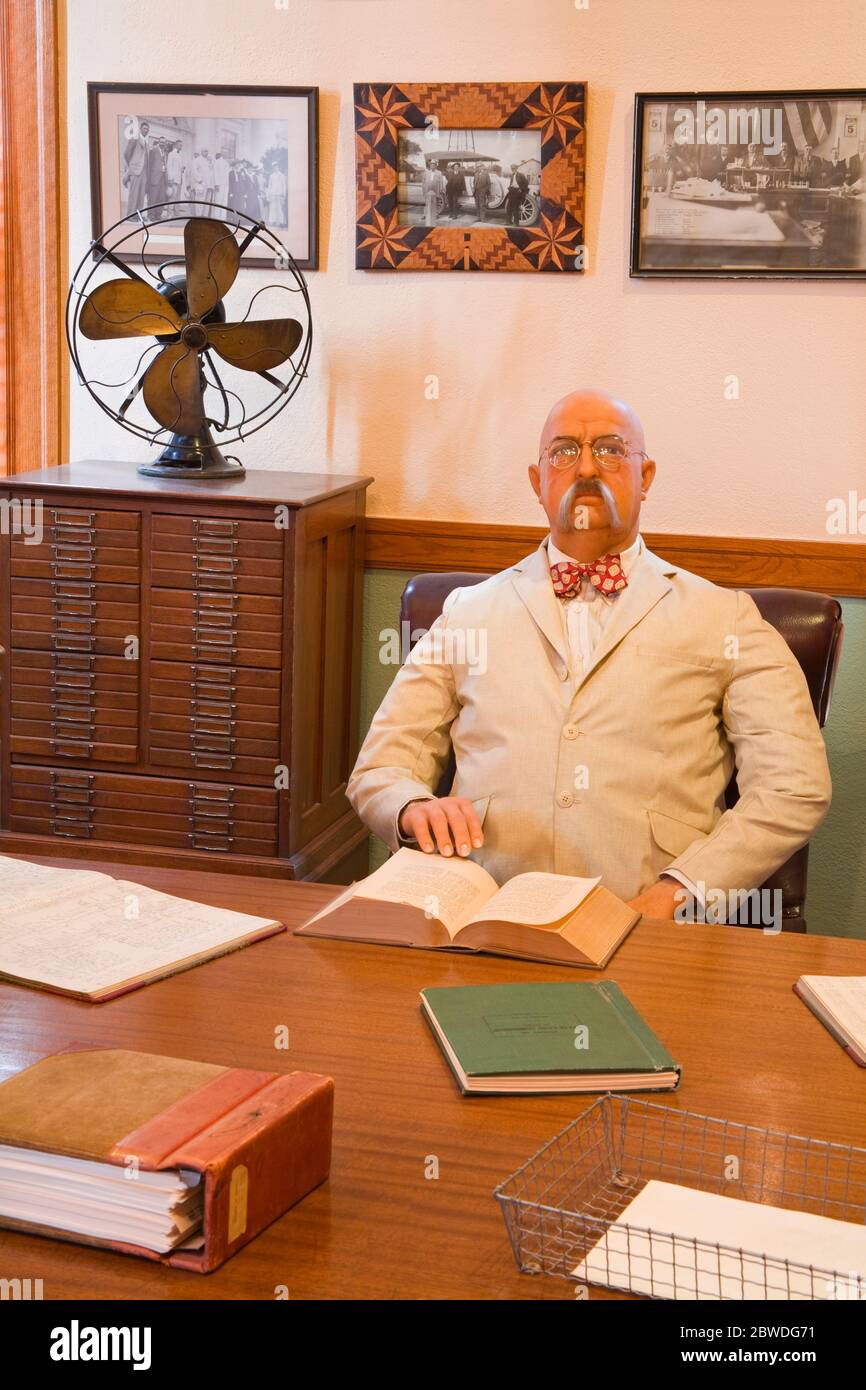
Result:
[{"x": 504, "y": 346}]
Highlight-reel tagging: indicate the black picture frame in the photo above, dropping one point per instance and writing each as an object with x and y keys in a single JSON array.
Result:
[
  {"x": 822, "y": 221},
  {"x": 309, "y": 95}
]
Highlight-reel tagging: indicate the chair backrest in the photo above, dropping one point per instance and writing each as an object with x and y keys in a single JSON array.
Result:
[{"x": 810, "y": 623}]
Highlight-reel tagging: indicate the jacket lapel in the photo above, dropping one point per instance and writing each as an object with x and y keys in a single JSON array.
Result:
[
  {"x": 648, "y": 583},
  {"x": 531, "y": 579}
]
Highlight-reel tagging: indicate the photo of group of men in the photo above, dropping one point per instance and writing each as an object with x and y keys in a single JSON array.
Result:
[
  {"x": 753, "y": 185},
  {"x": 159, "y": 167},
  {"x": 743, "y": 166}
]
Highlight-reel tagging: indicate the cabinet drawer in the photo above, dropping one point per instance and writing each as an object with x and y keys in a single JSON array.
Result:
[
  {"x": 216, "y": 736},
  {"x": 260, "y": 721},
  {"x": 106, "y": 717},
  {"x": 76, "y": 749},
  {"x": 74, "y": 632},
  {"x": 213, "y": 759},
  {"x": 180, "y": 679},
  {"x": 219, "y": 817},
  {"x": 27, "y": 698},
  {"x": 73, "y": 671},
  {"x": 213, "y": 645},
  {"x": 99, "y": 564},
  {"x": 251, "y": 612},
  {"x": 77, "y": 589},
  {"x": 92, "y": 519},
  {"x": 214, "y": 534},
  {"x": 224, "y": 573}
]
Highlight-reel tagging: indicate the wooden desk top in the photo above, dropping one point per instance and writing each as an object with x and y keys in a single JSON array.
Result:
[{"x": 719, "y": 997}]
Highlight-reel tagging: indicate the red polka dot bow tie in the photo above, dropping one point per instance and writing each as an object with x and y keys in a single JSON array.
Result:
[{"x": 605, "y": 574}]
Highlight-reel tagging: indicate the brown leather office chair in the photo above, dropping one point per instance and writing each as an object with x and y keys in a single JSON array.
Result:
[{"x": 810, "y": 623}]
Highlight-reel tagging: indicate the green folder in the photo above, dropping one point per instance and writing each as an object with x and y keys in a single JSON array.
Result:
[{"x": 547, "y": 1039}]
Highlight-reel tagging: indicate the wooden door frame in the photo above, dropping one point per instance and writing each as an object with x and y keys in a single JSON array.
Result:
[{"x": 34, "y": 379}]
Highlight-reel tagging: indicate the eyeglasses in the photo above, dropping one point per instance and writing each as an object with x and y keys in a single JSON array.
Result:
[{"x": 609, "y": 451}]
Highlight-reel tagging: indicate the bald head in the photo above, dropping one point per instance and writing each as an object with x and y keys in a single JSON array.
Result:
[{"x": 587, "y": 413}]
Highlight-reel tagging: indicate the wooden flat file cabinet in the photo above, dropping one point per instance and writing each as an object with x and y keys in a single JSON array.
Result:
[{"x": 180, "y": 667}]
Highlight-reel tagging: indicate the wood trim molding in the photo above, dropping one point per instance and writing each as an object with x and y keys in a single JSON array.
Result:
[
  {"x": 33, "y": 368},
  {"x": 833, "y": 567}
]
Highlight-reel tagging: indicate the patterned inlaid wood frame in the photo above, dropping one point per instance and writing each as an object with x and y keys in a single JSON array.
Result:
[{"x": 555, "y": 239}]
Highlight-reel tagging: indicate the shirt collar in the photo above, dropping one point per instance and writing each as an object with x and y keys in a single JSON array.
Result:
[{"x": 628, "y": 557}]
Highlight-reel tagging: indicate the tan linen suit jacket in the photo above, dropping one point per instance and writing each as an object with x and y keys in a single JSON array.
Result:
[{"x": 623, "y": 772}]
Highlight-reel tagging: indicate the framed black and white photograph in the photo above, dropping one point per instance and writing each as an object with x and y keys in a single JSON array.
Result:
[
  {"x": 471, "y": 178},
  {"x": 750, "y": 185},
  {"x": 162, "y": 151}
]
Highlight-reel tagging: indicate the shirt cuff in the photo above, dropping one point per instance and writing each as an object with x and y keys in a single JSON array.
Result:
[
  {"x": 407, "y": 841},
  {"x": 687, "y": 883}
]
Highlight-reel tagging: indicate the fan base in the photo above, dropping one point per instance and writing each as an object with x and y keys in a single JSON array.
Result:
[{"x": 192, "y": 458}]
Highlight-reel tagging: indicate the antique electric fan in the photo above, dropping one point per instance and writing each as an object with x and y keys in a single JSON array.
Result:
[{"x": 175, "y": 377}]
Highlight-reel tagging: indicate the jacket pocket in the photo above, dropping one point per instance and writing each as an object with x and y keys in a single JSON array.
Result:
[
  {"x": 700, "y": 660},
  {"x": 673, "y": 835}
]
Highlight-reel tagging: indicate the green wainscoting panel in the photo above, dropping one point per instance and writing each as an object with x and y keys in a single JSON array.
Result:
[
  {"x": 836, "y": 904},
  {"x": 837, "y": 863}
]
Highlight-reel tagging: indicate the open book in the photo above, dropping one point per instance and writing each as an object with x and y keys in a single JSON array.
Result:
[
  {"x": 839, "y": 1001},
  {"x": 83, "y": 933},
  {"x": 427, "y": 900}
]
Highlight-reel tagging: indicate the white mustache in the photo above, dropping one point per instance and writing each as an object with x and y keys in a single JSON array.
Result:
[{"x": 587, "y": 487}]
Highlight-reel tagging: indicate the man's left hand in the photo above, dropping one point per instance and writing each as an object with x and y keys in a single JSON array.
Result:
[{"x": 660, "y": 899}]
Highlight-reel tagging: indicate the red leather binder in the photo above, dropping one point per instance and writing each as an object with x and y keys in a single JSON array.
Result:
[{"x": 261, "y": 1140}]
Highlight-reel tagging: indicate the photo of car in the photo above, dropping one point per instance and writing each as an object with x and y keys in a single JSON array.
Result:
[{"x": 510, "y": 190}]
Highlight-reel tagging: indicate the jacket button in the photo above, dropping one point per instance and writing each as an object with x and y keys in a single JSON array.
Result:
[
  {"x": 563, "y": 673},
  {"x": 570, "y": 731},
  {"x": 565, "y": 799}
]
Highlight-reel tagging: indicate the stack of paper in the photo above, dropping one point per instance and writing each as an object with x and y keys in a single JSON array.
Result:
[
  {"x": 699, "y": 1245},
  {"x": 124, "y": 1205}
]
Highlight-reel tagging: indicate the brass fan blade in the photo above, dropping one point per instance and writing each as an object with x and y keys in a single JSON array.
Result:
[
  {"x": 255, "y": 346},
  {"x": 212, "y": 260},
  {"x": 172, "y": 389},
  {"x": 127, "y": 309}
]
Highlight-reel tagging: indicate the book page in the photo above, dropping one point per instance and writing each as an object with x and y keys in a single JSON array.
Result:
[
  {"x": 108, "y": 932},
  {"x": 679, "y": 1257},
  {"x": 20, "y": 879},
  {"x": 844, "y": 999},
  {"x": 536, "y": 900},
  {"x": 448, "y": 889}
]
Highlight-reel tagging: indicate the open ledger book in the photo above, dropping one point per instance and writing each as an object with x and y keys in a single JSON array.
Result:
[
  {"x": 426, "y": 900},
  {"x": 83, "y": 933}
]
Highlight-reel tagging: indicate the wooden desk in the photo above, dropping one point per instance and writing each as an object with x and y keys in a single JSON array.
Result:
[{"x": 720, "y": 998}]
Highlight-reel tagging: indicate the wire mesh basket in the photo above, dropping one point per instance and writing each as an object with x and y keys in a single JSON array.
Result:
[{"x": 560, "y": 1207}]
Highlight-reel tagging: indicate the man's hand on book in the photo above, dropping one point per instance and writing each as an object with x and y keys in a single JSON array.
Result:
[{"x": 445, "y": 823}]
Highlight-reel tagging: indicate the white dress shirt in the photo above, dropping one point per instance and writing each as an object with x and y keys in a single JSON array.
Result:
[{"x": 585, "y": 616}]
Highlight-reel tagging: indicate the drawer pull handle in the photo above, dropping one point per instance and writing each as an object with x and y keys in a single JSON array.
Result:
[
  {"x": 210, "y": 526},
  {"x": 60, "y": 573},
  {"x": 86, "y": 780},
  {"x": 73, "y": 590},
  {"x": 78, "y": 551},
  {"x": 69, "y": 749}
]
